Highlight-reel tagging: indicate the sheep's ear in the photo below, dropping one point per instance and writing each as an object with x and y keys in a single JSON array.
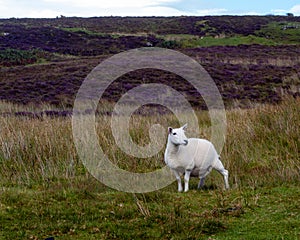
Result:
[
  {"x": 184, "y": 127},
  {"x": 170, "y": 130}
]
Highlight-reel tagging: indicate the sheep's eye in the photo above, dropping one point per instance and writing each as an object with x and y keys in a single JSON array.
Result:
[{"x": 174, "y": 133}]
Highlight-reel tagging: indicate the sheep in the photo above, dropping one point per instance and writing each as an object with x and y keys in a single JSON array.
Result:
[{"x": 194, "y": 157}]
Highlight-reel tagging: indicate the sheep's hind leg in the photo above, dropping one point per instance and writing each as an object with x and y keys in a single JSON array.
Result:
[
  {"x": 177, "y": 175},
  {"x": 220, "y": 168},
  {"x": 225, "y": 175}
]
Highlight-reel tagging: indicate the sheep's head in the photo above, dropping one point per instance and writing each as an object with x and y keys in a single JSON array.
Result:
[{"x": 177, "y": 136}]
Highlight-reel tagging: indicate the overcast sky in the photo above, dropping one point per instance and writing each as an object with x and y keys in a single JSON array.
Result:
[{"x": 90, "y": 8}]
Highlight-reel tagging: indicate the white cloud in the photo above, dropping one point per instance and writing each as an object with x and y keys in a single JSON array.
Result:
[
  {"x": 47, "y": 13},
  {"x": 214, "y": 11},
  {"x": 144, "y": 11},
  {"x": 280, "y": 11},
  {"x": 21, "y": 10},
  {"x": 4, "y": 8},
  {"x": 90, "y": 8},
  {"x": 160, "y": 11},
  {"x": 87, "y": 8},
  {"x": 248, "y": 13},
  {"x": 295, "y": 10},
  {"x": 104, "y": 4}
]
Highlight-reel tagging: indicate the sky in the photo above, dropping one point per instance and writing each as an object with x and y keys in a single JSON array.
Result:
[{"x": 92, "y": 8}]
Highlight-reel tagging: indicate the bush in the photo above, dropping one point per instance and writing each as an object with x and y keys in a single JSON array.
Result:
[{"x": 13, "y": 57}]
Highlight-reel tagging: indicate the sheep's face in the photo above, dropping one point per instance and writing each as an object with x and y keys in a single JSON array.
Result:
[{"x": 177, "y": 136}]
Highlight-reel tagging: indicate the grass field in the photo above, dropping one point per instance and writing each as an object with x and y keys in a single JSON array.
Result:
[
  {"x": 190, "y": 41},
  {"x": 46, "y": 191}
]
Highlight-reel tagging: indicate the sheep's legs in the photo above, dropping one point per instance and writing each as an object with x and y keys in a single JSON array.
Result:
[
  {"x": 187, "y": 179},
  {"x": 220, "y": 168},
  {"x": 225, "y": 175},
  {"x": 178, "y": 178},
  {"x": 203, "y": 176},
  {"x": 201, "y": 182}
]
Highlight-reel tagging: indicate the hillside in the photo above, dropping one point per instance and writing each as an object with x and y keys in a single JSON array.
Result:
[{"x": 251, "y": 58}]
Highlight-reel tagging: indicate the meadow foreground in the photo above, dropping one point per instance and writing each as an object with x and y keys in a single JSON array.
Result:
[{"x": 46, "y": 191}]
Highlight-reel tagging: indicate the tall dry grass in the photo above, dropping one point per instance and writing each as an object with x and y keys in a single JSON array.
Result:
[
  {"x": 36, "y": 150},
  {"x": 262, "y": 146}
]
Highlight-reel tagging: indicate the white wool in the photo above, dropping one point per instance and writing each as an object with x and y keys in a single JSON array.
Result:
[{"x": 194, "y": 157}]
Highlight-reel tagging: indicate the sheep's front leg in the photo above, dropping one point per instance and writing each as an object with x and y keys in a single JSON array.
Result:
[
  {"x": 187, "y": 179},
  {"x": 177, "y": 175}
]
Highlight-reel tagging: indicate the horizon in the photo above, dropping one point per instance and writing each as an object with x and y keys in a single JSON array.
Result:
[
  {"x": 144, "y": 8},
  {"x": 112, "y": 16}
]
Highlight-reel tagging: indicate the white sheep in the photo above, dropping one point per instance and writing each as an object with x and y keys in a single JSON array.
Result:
[{"x": 194, "y": 157}]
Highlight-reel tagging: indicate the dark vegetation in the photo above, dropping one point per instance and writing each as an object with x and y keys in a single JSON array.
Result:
[
  {"x": 61, "y": 52},
  {"x": 244, "y": 25}
]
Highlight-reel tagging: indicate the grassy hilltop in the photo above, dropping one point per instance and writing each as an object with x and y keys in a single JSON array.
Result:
[{"x": 45, "y": 190}]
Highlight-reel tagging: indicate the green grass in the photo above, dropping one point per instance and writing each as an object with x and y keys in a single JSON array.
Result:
[
  {"x": 84, "y": 30},
  {"x": 14, "y": 57},
  {"x": 45, "y": 190},
  {"x": 281, "y": 32},
  {"x": 275, "y": 33},
  {"x": 100, "y": 34},
  {"x": 95, "y": 212},
  {"x": 192, "y": 41},
  {"x": 177, "y": 37},
  {"x": 225, "y": 41}
]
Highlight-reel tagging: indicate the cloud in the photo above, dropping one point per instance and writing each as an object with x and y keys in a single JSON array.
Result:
[
  {"x": 295, "y": 10},
  {"x": 214, "y": 11},
  {"x": 139, "y": 8},
  {"x": 19, "y": 9},
  {"x": 160, "y": 11},
  {"x": 279, "y": 11},
  {"x": 47, "y": 13},
  {"x": 104, "y": 4},
  {"x": 90, "y": 8},
  {"x": 87, "y": 8},
  {"x": 143, "y": 11},
  {"x": 251, "y": 13},
  {"x": 4, "y": 7}
]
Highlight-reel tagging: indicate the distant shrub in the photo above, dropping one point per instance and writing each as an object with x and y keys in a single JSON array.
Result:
[
  {"x": 171, "y": 44},
  {"x": 13, "y": 57}
]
